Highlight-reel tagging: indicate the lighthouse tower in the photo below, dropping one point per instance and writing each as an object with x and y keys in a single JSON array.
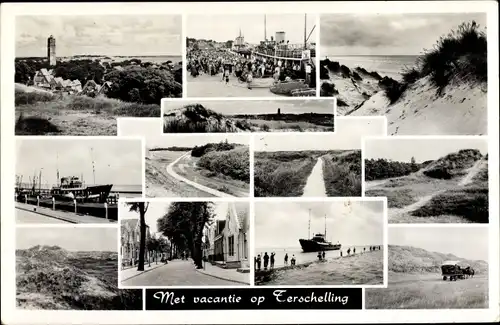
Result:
[{"x": 51, "y": 50}]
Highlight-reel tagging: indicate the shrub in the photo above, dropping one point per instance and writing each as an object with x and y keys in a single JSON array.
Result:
[
  {"x": 199, "y": 151},
  {"x": 27, "y": 98},
  {"x": 34, "y": 125},
  {"x": 410, "y": 75},
  {"x": 328, "y": 90},
  {"x": 462, "y": 55},
  {"x": 393, "y": 89},
  {"x": 381, "y": 168},
  {"x": 234, "y": 163},
  {"x": 342, "y": 174}
]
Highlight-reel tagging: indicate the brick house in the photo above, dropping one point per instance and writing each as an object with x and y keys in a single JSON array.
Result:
[{"x": 130, "y": 241}]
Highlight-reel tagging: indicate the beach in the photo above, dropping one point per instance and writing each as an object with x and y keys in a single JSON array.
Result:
[{"x": 388, "y": 65}]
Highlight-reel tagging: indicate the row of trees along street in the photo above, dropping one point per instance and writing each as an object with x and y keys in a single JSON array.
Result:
[{"x": 182, "y": 224}]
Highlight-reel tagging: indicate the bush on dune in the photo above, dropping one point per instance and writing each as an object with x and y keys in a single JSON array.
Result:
[
  {"x": 34, "y": 125},
  {"x": 328, "y": 90},
  {"x": 234, "y": 163},
  {"x": 199, "y": 151},
  {"x": 453, "y": 164},
  {"x": 28, "y": 98}
]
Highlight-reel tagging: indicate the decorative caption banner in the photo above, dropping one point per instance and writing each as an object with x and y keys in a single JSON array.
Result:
[{"x": 286, "y": 298}]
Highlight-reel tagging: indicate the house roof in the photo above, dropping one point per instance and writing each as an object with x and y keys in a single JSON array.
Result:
[
  {"x": 132, "y": 223},
  {"x": 240, "y": 210}
]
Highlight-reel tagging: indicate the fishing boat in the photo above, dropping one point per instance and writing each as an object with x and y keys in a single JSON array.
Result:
[{"x": 318, "y": 242}]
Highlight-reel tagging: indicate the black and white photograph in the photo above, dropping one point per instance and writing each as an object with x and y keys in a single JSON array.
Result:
[
  {"x": 429, "y": 180},
  {"x": 313, "y": 164},
  {"x": 70, "y": 268},
  {"x": 426, "y": 72},
  {"x": 319, "y": 243},
  {"x": 75, "y": 180},
  {"x": 75, "y": 74},
  {"x": 434, "y": 268},
  {"x": 251, "y": 55},
  {"x": 192, "y": 165},
  {"x": 231, "y": 116},
  {"x": 167, "y": 243}
]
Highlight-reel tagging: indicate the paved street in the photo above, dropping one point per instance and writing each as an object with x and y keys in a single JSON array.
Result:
[
  {"x": 175, "y": 273},
  {"x": 24, "y": 216}
]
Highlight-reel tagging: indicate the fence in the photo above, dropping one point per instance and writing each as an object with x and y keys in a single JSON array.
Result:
[{"x": 100, "y": 210}]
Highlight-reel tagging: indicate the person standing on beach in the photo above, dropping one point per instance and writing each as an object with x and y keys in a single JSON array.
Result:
[
  {"x": 340, "y": 253},
  {"x": 266, "y": 260},
  {"x": 348, "y": 251},
  {"x": 324, "y": 254},
  {"x": 354, "y": 250},
  {"x": 319, "y": 256},
  {"x": 286, "y": 259},
  {"x": 292, "y": 261},
  {"x": 258, "y": 262},
  {"x": 272, "y": 260},
  {"x": 249, "y": 80}
]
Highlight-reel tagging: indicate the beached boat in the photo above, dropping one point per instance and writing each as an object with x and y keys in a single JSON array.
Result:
[{"x": 318, "y": 242}]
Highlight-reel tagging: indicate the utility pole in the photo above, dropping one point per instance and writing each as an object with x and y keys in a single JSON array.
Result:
[
  {"x": 265, "y": 28},
  {"x": 309, "y": 227}
]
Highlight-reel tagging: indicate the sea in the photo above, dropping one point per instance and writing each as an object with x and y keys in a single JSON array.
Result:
[
  {"x": 361, "y": 268},
  {"x": 389, "y": 65},
  {"x": 302, "y": 257},
  {"x": 152, "y": 59}
]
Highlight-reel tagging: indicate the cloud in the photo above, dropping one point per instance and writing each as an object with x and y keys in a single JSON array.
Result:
[
  {"x": 344, "y": 34},
  {"x": 111, "y": 35}
]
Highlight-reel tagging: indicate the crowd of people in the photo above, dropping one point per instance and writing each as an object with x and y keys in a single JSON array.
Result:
[{"x": 225, "y": 64}]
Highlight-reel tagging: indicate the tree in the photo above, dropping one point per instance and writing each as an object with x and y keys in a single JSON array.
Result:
[
  {"x": 141, "y": 208},
  {"x": 183, "y": 223}
]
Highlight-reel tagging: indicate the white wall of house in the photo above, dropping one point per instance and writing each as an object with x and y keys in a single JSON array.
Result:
[{"x": 231, "y": 234}]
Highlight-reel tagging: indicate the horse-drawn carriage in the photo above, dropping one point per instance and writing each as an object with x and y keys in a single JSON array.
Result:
[{"x": 453, "y": 271}]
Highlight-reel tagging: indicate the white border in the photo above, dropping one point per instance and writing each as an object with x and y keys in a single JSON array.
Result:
[
  {"x": 166, "y": 101},
  {"x": 162, "y": 200},
  {"x": 13, "y": 316}
]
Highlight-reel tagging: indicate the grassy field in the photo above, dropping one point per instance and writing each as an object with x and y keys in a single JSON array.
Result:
[
  {"x": 234, "y": 163},
  {"x": 43, "y": 113},
  {"x": 52, "y": 278},
  {"x": 283, "y": 173},
  {"x": 159, "y": 183},
  {"x": 342, "y": 173},
  {"x": 415, "y": 282},
  {"x": 428, "y": 291}
]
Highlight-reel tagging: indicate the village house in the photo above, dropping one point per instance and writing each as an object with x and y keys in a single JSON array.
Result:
[
  {"x": 45, "y": 79},
  {"x": 231, "y": 238},
  {"x": 130, "y": 242}
]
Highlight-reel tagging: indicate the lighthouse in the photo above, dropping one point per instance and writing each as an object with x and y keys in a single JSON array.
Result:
[{"x": 51, "y": 50}]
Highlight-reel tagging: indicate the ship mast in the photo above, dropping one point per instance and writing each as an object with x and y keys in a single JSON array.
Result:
[
  {"x": 305, "y": 31},
  {"x": 93, "y": 166},
  {"x": 309, "y": 228},
  {"x": 325, "y": 226},
  {"x": 265, "y": 28},
  {"x": 57, "y": 169}
]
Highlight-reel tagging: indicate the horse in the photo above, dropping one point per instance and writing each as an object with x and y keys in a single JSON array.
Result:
[{"x": 468, "y": 272}]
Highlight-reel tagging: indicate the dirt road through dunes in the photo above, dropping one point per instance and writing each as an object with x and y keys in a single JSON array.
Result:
[
  {"x": 428, "y": 291},
  {"x": 315, "y": 186},
  {"x": 472, "y": 172},
  {"x": 184, "y": 170}
]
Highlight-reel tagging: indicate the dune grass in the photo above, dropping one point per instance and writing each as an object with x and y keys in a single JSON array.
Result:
[
  {"x": 40, "y": 113},
  {"x": 396, "y": 198},
  {"x": 342, "y": 174},
  {"x": 282, "y": 174},
  {"x": 470, "y": 202}
]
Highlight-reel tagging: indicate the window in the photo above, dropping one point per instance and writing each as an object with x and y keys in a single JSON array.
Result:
[{"x": 231, "y": 245}]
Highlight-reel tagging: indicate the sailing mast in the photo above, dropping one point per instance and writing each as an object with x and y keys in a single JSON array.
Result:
[{"x": 57, "y": 169}]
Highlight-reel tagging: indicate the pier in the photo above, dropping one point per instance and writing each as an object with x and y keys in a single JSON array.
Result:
[{"x": 27, "y": 213}]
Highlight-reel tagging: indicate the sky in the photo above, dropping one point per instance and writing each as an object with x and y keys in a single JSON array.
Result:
[
  {"x": 282, "y": 224},
  {"x": 71, "y": 238},
  {"x": 258, "y": 106},
  {"x": 468, "y": 243},
  {"x": 126, "y": 35},
  {"x": 422, "y": 149},
  {"x": 222, "y": 28},
  {"x": 348, "y": 136},
  {"x": 157, "y": 210},
  {"x": 150, "y": 128},
  {"x": 387, "y": 34},
  {"x": 117, "y": 161}
]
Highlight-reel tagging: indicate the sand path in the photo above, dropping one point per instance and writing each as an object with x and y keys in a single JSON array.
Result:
[
  {"x": 171, "y": 172},
  {"x": 315, "y": 186}
]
